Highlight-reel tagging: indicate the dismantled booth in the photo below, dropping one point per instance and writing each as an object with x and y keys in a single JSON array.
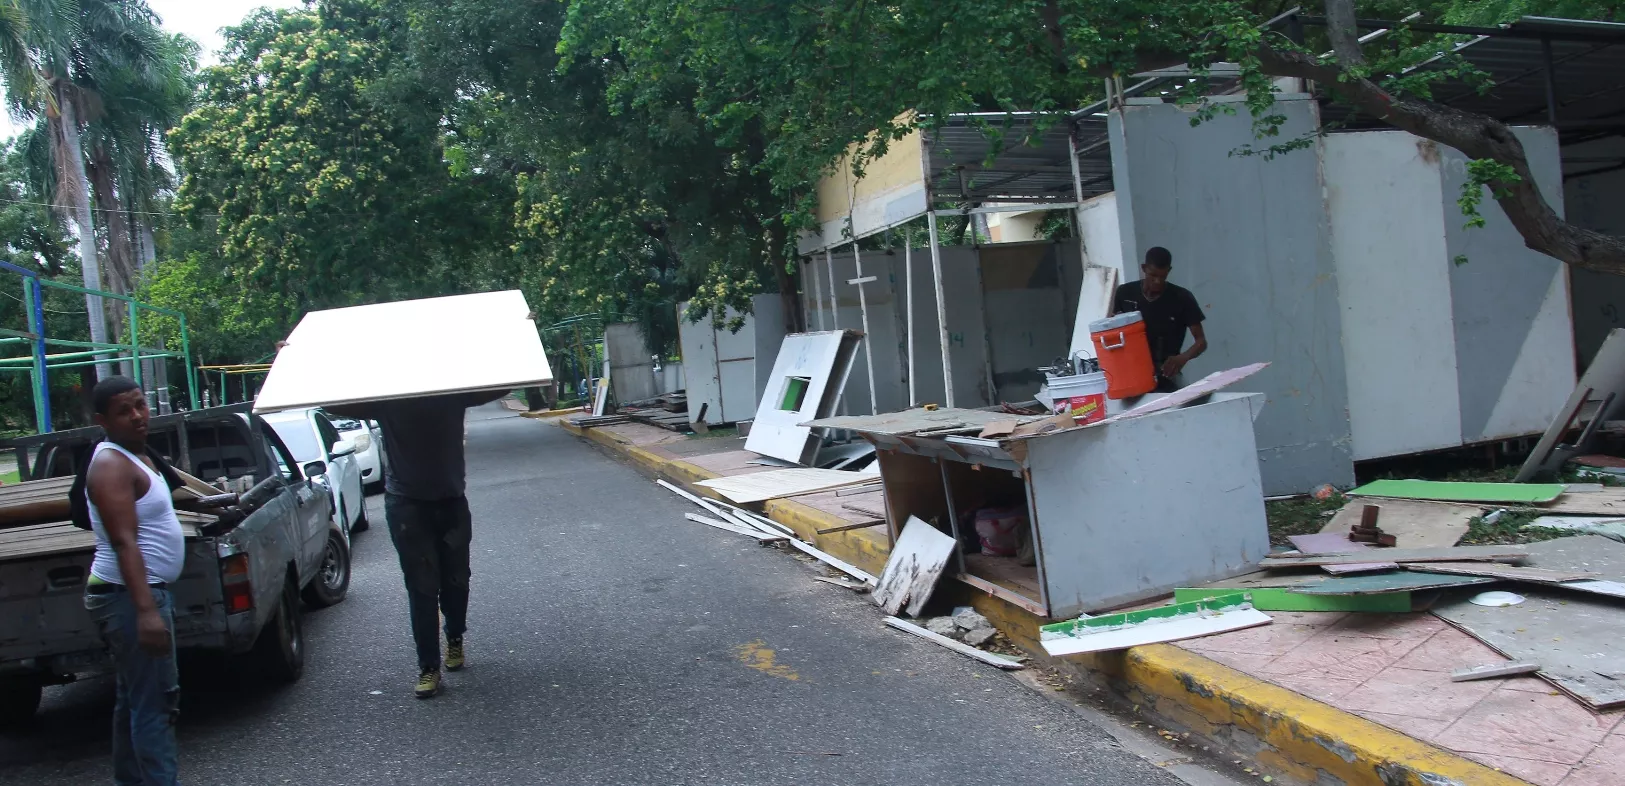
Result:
[
  {"x": 726, "y": 371},
  {"x": 1086, "y": 517}
]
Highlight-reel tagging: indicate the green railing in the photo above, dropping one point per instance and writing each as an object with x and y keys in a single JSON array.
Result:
[{"x": 39, "y": 364}]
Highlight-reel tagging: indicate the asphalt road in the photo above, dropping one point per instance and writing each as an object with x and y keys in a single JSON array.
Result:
[{"x": 611, "y": 642}]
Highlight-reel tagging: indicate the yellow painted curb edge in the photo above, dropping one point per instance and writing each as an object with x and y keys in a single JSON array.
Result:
[{"x": 1280, "y": 730}]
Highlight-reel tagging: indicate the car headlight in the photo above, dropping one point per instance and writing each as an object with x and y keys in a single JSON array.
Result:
[{"x": 363, "y": 442}]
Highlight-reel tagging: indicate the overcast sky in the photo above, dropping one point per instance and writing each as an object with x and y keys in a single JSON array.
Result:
[{"x": 199, "y": 20}]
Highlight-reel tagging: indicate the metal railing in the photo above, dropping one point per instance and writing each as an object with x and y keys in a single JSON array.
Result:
[{"x": 39, "y": 363}]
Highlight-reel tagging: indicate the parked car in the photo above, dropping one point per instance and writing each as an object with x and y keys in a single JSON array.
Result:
[
  {"x": 245, "y": 572},
  {"x": 368, "y": 439},
  {"x": 313, "y": 439}
]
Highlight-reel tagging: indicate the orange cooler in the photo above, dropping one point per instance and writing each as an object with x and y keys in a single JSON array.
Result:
[{"x": 1125, "y": 355}]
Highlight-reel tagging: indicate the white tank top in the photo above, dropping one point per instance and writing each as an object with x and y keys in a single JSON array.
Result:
[{"x": 157, "y": 533}]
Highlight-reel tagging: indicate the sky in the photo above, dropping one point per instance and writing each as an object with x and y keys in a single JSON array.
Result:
[{"x": 199, "y": 20}]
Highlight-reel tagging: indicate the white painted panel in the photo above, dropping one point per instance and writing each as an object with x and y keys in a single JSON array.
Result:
[
  {"x": 1383, "y": 194},
  {"x": 461, "y": 343},
  {"x": 1094, "y": 303},
  {"x": 1543, "y": 376},
  {"x": 698, "y": 344},
  {"x": 816, "y": 357},
  {"x": 1102, "y": 232}
]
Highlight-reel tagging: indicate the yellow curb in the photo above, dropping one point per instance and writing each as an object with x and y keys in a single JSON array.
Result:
[
  {"x": 1278, "y": 729},
  {"x": 551, "y": 413}
]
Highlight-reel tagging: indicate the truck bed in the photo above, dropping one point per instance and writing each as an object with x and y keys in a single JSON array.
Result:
[{"x": 42, "y": 540}]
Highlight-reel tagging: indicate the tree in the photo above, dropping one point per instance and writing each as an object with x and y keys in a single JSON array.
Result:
[{"x": 320, "y": 192}]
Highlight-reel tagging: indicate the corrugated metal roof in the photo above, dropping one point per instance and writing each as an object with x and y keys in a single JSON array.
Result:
[{"x": 1030, "y": 163}]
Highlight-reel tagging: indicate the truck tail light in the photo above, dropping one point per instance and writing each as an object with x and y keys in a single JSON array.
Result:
[{"x": 234, "y": 578}]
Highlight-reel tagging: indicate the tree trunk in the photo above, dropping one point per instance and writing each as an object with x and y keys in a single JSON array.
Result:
[
  {"x": 787, "y": 281},
  {"x": 70, "y": 168}
]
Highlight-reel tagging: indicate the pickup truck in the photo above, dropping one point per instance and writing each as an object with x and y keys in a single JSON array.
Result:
[{"x": 246, "y": 567}]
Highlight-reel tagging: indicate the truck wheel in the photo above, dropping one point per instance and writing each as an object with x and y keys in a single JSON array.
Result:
[
  {"x": 332, "y": 580},
  {"x": 279, "y": 652},
  {"x": 19, "y": 700}
]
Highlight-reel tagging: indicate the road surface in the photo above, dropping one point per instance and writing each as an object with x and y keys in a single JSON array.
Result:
[{"x": 611, "y": 642}]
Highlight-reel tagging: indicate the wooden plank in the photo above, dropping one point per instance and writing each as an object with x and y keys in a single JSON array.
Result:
[
  {"x": 857, "y": 525},
  {"x": 1334, "y": 543},
  {"x": 1609, "y": 502},
  {"x": 455, "y": 344},
  {"x": 1379, "y": 583},
  {"x": 834, "y": 562},
  {"x": 1579, "y": 642},
  {"x": 1450, "y": 554},
  {"x": 1493, "y": 670},
  {"x": 916, "y": 564},
  {"x": 1275, "y": 599},
  {"x": 1151, "y": 626},
  {"x": 855, "y": 586},
  {"x": 864, "y": 509},
  {"x": 1458, "y": 491},
  {"x": 709, "y": 506},
  {"x": 779, "y": 483},
  {"x": 1499, "y": 571},
  {"x": 1008, "y": 664},
  {"x": 1415, "y": 524}
]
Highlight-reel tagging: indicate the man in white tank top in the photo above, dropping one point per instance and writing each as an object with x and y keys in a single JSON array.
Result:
[{"x": 139, "y": 550}]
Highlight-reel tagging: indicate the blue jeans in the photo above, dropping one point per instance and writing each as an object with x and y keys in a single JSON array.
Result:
[{"x": 148, "y": 698}]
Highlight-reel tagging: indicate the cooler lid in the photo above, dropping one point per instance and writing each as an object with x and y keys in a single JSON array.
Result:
[{"x": 1115, "y": 323}]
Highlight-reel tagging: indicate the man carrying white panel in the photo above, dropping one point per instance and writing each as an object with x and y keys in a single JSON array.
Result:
[
  {"x": 441, "y": 356},
  {"x": 424, "y": 503}
]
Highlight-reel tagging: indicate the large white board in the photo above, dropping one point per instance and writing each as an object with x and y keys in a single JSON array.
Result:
[
  {"x": 816, "y": 364},
  {"x": 456, "y": 344}
]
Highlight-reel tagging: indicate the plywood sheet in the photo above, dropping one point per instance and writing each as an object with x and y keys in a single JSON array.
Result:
[
  {"x": 1414, "y": 524},
  {"x": 1608, "y": 502},
  {"x": 1499, "y": 571},
  {"x": 1396, "y": 581},
  {"x": 1456, "y": 554},
  {"x": 1590, "y": 553},
  {"x": 1579, "y": 642},
  {"x": 913, "y": 569},
  {"x": 1456, "y": 491},
  {"x": 773, "y": 484},
  {"x": 914, "y": 421},
  {"x": 1332, "y": 542},
  {"x": 815, "y": 363},
  {"x": 1209, "y": 384},
  {"x": 456, "y": 344}
]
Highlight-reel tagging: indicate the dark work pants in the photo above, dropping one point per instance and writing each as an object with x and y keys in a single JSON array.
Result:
[{"x": 432, "y": 540}]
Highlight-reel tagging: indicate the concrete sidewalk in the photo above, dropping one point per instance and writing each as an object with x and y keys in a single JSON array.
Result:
[{"x": 1316, "y": 698}]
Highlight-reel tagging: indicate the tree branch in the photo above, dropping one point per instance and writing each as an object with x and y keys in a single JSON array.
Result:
[
  {"x": 1476, "y": 136},
  {"x": 1345, "y": 35}
]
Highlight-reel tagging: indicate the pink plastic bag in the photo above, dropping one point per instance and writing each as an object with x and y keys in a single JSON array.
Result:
[{"x": 998, "y": 527}]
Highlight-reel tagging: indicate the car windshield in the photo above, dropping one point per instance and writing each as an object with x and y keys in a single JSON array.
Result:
[
  {"x": 344, "y": 424},
  {"x": 300, "y": 438}
]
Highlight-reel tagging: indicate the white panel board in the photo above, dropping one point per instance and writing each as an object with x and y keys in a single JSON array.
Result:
[
  {"x": 815, "y": 358},
  {"x": 773, "y": 484},
  {"x": 461, "y": 343},
  {"x": 1383, "y": 193},
  {"x": 1094, "y": 303},
  {"x": 1102, "y": 231}
]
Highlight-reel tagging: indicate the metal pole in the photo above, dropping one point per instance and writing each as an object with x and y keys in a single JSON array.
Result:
[
  {"x": 834, "y": 317},
  {"x": 186, "y": 354},
  {"x": 41, "y": 376},
  {"x": 818, "y": 292},
  {"x": 1551, "y": 80},
  {"x": 868, "y": 342},
  {"x": 908, "y": 281},
  {"x": 942, "y": 311},
  {"x": 1077, "y": 192},
  {"x": 135, "y": 345}
]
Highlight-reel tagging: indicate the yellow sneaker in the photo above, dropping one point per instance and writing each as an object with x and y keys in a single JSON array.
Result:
[
  {"x": 454, "y": 655},
  {"x": 428, "y": 684}
]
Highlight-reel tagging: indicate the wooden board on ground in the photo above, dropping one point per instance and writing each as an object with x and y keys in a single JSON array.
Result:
[
  {"x": 457, "y": 344},
  {"x": 1150, "y": 626},
  {"x": 1379, "y": 583},
  {"x": 1496, "y": 570},
  {"x": 1333, "y": 543},
  {"x": 1579, "y": 642},
  {"x": 1001, "y": 661},
  {"x": 1591, "y": 553},
  {"x": 1276, "y": 599},
  {"x": 777, "y": 483},
  {"x": 1308, "y": 576},
  {"x": 1415, "y": 524},
  {"x": 1608, "y": 502},
  {"x": 1457, "y": 491},
  {"x": 1452, "y": 554},
  {"x": 913, "y": 569}
]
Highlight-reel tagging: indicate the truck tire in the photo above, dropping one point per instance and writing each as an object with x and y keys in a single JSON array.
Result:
[
  {"x": 19, "y": 700},
  {"x": 279, "y": 652},
  {"x": 332, "y": 580}
]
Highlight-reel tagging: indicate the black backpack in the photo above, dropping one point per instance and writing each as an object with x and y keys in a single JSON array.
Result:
[{"x": 79, "y": 502}]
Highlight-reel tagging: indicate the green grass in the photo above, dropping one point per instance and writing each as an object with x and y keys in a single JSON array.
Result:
[
  {"x": 9, "y": 478},
  {"x": 1301, "y": 516}
]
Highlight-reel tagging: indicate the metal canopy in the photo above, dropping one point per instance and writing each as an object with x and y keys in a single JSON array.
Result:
[{"x": 1030, "y": 164}]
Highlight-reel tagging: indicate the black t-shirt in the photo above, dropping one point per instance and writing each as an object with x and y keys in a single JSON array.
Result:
[{"x": 1166, "y": 318}]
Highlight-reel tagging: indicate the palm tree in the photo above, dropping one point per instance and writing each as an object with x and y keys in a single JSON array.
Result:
[{"x": 57, "y": 59}]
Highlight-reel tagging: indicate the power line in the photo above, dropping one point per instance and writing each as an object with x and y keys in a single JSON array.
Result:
[{"x": 94, "y": 209}]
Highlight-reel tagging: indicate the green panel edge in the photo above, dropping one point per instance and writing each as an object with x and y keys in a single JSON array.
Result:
[{"x": 1284, "y": 600}]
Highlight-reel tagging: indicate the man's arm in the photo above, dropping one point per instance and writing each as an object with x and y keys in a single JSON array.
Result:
[
  {"x": 111, "y": 485},
  {"x": 1176, "y": 364}
]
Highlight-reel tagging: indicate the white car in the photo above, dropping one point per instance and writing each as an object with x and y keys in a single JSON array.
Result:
[
  {"x": 369, "y": 448},
  {"x": 313, "y": 440}
]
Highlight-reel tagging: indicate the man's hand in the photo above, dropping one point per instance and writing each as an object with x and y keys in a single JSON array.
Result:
[
  {"x": 1172, "y": 366},
  {"x": 150, "y": 633}
]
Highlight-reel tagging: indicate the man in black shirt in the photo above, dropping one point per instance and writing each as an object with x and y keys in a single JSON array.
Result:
[{"x": 1168, "y": 310}]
